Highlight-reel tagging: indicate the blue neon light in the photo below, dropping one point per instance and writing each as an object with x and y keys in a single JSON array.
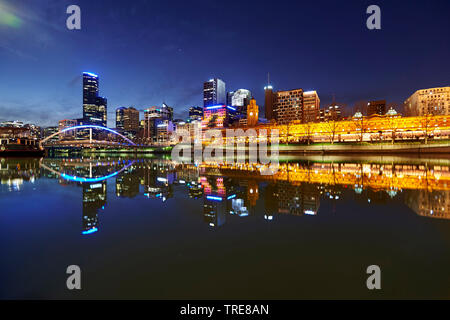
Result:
[
  {"x": 214, "y": 198},
  {"x": 90, "y": 231},
  {"x": 96, "y": 127},
  {"x": 91, "y": 74},
  {"x": 215, "y": 107},
  {"x": 231, "y": 197},
  {"x": 81, "y": 179},
  {"x": 234, "y": 109}
]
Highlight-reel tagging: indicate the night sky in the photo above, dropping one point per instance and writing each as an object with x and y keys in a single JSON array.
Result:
[{"x": 150, "y": 52}]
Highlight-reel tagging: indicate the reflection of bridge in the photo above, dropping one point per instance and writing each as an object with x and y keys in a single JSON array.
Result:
[{"x": 86, "y": 142}]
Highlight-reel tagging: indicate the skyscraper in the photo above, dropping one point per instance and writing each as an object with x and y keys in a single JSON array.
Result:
[
  {"x": 214, "y": 92},
  {"x": 269, "y": 99},
  {"x": 94, "y": 107}
]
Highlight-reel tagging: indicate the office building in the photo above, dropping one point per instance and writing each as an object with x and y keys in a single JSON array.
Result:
[
  {"x": 127, "y": 119},
  {"x": 214, "y": 92},
  {"x": 435, "y": 101},
  {"x": 94, "y": 107},
  {"x": 376, "y": 107},
  {"x": 289, "y": 106},
  {"x": 152, "y": 116},
  {"x": 195, "y": 113},
  {"x": 311, "y": 106},
  {"x": 269, "y": 100}
]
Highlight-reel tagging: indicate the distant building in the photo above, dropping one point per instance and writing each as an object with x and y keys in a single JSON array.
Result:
[
  {"x": 67, "y": 123},
  {"x": 49, "y": 131},
  {"x": 127, "y": 119},
  {"x": 376, "y": 107},
  {"x": 94, "y": 107},
  {"x": 435, "y": 101},
  {"x": 230, "y": 98},
  {"x": 252, "y": 113},
  {"x": 240, "y": 100},
  {"x": 152, "y": 117},
  {"x": 332, "y": 113},
  {"x": 195, "y": 113},
  {"x": 214, "y": 92}
]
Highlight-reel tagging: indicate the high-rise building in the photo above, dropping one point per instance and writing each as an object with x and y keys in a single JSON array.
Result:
[
  {"x": 94, "y": 107},
  {"x": 332, "y": 113},
  {"x": 376, "y": 107},
  {"x": 195, "y": 113},
  {"x": 252, "y": 113},
  {"x": 240, "y": 100},
  {"x": 214, "y": 92},
  {"x": 127, "y": 119},
  {"x": 435, "y": 101},
  {"x": 311, "y": 106},
  {"x": 289, "y": 106},
  {"x": 269, "y": 99}
]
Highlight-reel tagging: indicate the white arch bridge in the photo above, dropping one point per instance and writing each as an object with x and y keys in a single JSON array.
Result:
[{"x": 47, "y": 142}]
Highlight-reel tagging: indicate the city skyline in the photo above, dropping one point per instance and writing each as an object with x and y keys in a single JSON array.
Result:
[{"x": 133, "y": 78}]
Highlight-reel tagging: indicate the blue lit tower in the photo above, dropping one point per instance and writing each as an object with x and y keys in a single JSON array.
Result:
[{"x": 94, "y": 107}]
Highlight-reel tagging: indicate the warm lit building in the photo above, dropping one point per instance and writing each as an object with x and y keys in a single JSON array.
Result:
[
  {"x": 332, "y": 113},
  {"x": 252, "y": 113},
  {"x": 311, "y": 106},
  {"x": 288, "y": 106},
  {"x": 127, "y": 119},
  {"x": 435, "y": 101},
  {"x": 376, "y": 107}
]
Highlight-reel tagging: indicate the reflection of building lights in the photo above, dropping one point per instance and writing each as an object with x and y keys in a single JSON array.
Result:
[
  {"x": 90, "y": 231},
  {"x": 309, "y": 212},
  {"x": 266, "y": 217},
  {"x": 214, "y": 198}
]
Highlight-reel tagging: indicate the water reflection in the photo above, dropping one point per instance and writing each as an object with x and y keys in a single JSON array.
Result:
[{"x": 298, "y": 188}]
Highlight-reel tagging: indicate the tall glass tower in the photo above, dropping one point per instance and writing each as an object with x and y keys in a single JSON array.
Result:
[
  {"x": 214, "y": 92},
  {"x": 94, "y": 107}
]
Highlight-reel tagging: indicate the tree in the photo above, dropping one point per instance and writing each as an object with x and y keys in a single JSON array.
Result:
[
  {"x": 426, "y": 125},
  {"x": 331, "y": 127}
]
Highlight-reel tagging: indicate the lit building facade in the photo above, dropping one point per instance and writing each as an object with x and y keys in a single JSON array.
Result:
[
  {"x": 127, "y": 119},
  {"x": 219, "y": 116},
  {"x": 288, "y": 106},
  {"x": 94, "y": 107},
  {"x": 311, "y": 106},
  {"x": 152, "y": 117},
  {"x": 214, "y": 92},
  {"x": 195, "y": 113},
  {"x": 435, "y": 101}
]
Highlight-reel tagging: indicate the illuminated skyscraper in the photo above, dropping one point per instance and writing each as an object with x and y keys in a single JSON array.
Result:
[
  {"x": 195, "y": 113},
  {"x": 214, "y": 92},
  {"x": 94, "y": 107},
  {"x": 311, "y": 105}
]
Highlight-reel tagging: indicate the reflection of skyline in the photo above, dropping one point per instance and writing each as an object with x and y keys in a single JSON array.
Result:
[{"x": 297, "y": 189}]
